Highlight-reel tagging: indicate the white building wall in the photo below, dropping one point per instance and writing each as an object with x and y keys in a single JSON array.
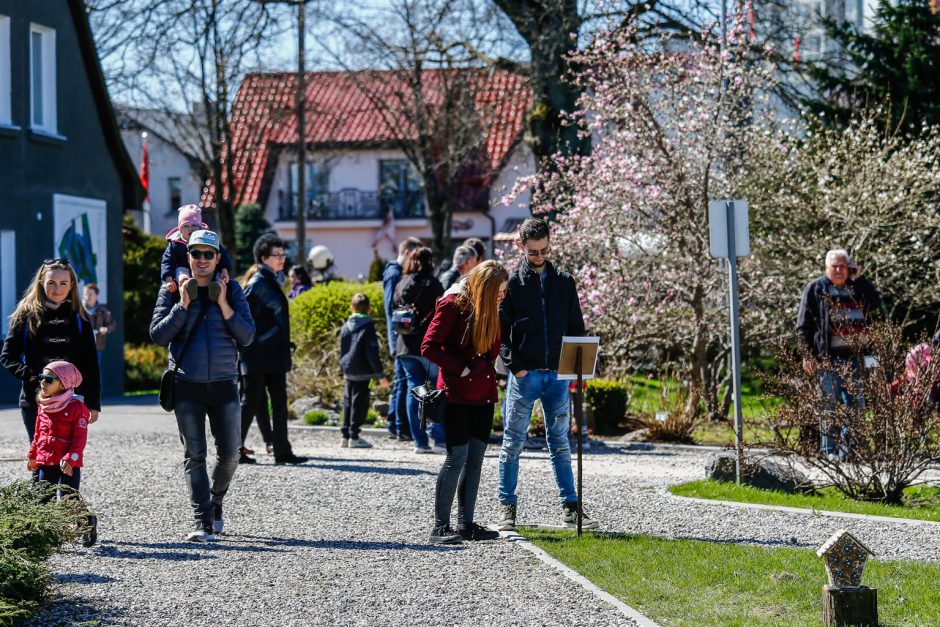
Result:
[{"x": 166, "y": 162}]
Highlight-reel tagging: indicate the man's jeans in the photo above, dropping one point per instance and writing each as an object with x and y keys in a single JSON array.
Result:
[
  {"x": 254, "y": 386},
  {"x": 397, "y": 412},
  {"x": 417, "y": 371},
  {"x": 521, "y": 395},
  {"x": 220, "y": 401},
  {"x": 835, "y": 392}
]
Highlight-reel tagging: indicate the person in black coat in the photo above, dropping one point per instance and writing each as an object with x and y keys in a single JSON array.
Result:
[
  {"x": 418, "y": 290},
  {"x": 360, "y": 364},
  {"x": 50, "y": 324},
  {"x": 265, "y": 362}
]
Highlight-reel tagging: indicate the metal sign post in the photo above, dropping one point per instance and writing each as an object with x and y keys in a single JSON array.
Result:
[{"x": 730, "y": 239}]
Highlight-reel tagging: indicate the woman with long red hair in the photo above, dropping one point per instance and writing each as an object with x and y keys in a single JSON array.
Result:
[{"x": 464, "y": 339}]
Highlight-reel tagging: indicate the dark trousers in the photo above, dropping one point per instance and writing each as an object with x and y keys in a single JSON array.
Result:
[
  {"x": 397, "y": 409},
  {"x": 254, "y": 386},
  {"x": 467, "y": 430},
  {"x": 55, "y": 476},
  {"x": 29, "y": 420},
  {"x": 263, "y": 417},
  {"x": 355, "y": 408},
  {"x": 194, "y": 401}
]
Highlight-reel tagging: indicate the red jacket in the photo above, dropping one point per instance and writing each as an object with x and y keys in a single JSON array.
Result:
[
  {"x": 61, "y": 435},
  {"x": 449, "y": 344}
]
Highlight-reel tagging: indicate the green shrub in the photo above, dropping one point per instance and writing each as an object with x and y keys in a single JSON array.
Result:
[
  {"x": 316, "y": 417},
  {"x": 143, "y": 366},
  {"x": 607, "y": 400},
  {"x": 22, "y": 579},
  {"x": 316, "y": 318},
  {"x": 142, "y": 255},
  {"x": 376, "y": 268},
  {"x": 250, "y": 224},
  {"x": 373, "y": 417}
]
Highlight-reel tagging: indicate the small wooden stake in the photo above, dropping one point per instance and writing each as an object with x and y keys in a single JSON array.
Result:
[{"x": 844, "y": 605}]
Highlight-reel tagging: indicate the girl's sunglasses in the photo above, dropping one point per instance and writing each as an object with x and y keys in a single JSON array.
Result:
[
  {"x": 202, "y": 254},
  {"x": 47, "y": 378}
]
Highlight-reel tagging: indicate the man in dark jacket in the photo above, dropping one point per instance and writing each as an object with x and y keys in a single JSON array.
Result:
[
  {"x": 266, "y": 361},
  {"x": 465, "y": 260},
  {"x": 206, "y": 376},
  {"x": 832, "y": 323},
  {"x": 360, "y": 364},
  {"x": 541, "y": 305},
  {"x": 397, "y": 414}
]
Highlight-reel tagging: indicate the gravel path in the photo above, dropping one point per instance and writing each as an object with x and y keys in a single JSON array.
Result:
[{"x": 342, "y": 539}]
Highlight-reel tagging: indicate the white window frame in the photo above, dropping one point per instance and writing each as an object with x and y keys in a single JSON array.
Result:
[
  {"x": 6, "y": 87},
  {"x": 49, "y": 122}
]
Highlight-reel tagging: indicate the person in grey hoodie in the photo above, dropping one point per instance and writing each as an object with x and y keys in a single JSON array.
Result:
[
  {"x": 359, "y": 361},
  {"x": 206, "y": 378}
]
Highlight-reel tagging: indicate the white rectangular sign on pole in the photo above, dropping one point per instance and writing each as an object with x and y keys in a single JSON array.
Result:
[{"x": 718, "y": 227}]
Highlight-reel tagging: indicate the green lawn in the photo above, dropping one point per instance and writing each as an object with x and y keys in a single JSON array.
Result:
[
  {"x": 691, "y": 582},
  {"x": 921, "y": 502}
]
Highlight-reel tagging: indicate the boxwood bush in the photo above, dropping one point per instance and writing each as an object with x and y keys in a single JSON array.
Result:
[
  {"x": 607, "y": 400},
  {"x": 316, "y": 318}
]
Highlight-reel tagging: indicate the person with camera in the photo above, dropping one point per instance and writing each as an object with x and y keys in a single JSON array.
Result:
[
  {"x": 541, "y": 306},
  {"x": 203, "y": 336},
  {"x": 835, "y": 311},
  {"x": 417, "y": 293},
  {"x": 463, "y": 340},
  {"x": 398, "y": 426}
]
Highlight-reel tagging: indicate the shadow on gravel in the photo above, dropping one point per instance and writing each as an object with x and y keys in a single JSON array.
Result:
[
  {"x": 352, "y": 545},
  {"x": 186, "y": 551},
  {"x": 377, "y": 470},
  {"x": 83, "y": 578},
  {"x": 66, "y": 610}
]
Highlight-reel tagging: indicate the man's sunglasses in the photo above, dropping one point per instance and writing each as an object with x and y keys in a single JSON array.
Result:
[
  {"x": 47, "y": 378},
  {"x": 542, "y": 251},
  {"x": 57, "y": 261},
  {"x": 202, "y": 254}
]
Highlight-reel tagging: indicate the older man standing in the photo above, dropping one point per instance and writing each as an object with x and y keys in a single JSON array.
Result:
[
  {"x": 832, "y": 323},
  {"x": 465, "y": 260},
  {"x": 203, "y": 337}
]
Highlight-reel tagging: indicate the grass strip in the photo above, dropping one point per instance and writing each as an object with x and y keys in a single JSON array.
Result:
[
  {"x": 920, "y": 502},
  {"x": 693, "y": 582}
]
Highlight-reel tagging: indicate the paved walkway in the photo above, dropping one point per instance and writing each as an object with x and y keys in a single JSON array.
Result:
[{"x": 342, "y": 539}]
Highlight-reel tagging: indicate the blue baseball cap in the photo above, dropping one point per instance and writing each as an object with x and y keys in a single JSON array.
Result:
[{"x": 204, "y": 238}]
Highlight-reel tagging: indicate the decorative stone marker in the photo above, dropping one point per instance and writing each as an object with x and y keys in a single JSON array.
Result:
[{"x": 845, "y": 600}]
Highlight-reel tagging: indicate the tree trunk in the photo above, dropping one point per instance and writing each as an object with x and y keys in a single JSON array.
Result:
[
  {"x": 551, "y": 30},
  {"x": 850, "y": 606}
]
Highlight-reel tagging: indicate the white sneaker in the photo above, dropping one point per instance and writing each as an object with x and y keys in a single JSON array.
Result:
[
  {"x": 200, "y": 535},
  {"x": 423, "y": 450},
  {"x": 359, "y": 443},
  {"x": 344, "y": 443},
  {"x": 440, "y": 448}
]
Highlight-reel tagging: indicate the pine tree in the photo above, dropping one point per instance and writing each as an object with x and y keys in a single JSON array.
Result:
[
  {"x": 250, "y": 224},
  {"x": 897, "y": 66}
]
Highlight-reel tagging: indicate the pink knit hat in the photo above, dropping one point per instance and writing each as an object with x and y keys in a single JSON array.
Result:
[
  {"x": 190, "y": 214},
  {"x": 68, "y": 374}
]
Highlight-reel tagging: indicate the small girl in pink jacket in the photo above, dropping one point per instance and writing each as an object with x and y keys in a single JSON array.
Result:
[{"x": 56, "y": 452}]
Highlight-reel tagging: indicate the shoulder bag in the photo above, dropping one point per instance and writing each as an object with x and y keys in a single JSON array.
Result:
[{"x": 167, "y": 395}]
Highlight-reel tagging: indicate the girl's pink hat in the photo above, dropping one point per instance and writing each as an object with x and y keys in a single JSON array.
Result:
[
  {"x": 68, "y": 374},
  {"x": 190, "y": 214}
]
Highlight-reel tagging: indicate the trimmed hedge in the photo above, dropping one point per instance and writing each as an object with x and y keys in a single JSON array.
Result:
[
  {"x": 143, "y": 366},
  {"x": 607, "y": 400}
]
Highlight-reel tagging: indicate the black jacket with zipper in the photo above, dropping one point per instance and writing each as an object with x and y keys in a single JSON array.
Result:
[
  {"x": 270, "y": 352},
  {"x": 534, "y": 319},
  {"x": 359, "y": 350}
]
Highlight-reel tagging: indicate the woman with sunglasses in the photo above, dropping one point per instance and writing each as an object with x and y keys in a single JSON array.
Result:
[
  {"x": 463, "y": 339},
  {"x": 50, "y": 324}
]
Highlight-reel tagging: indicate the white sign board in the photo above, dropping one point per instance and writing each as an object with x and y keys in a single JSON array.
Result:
[
  {"x": 719, "y": 228},
  {"x": 80, "y": 234}
]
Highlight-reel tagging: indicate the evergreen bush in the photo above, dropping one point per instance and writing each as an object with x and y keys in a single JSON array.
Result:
[{"x": 607, "y": 400}]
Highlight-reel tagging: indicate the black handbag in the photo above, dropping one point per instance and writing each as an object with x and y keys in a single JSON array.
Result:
[
  {"x": 167, "y": 396},
  {"x": 431, "y": 404}
]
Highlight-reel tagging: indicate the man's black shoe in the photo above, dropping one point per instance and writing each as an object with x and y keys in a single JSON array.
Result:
[
  {"x": 244, "y": 459},
  {"x": 392, "y": 436},
  {"x": 404, "y": 437},
  {"x": 291, "y": 459},
  {"x": 475, "y": 533},
  {"x": 445, "y": 535}
]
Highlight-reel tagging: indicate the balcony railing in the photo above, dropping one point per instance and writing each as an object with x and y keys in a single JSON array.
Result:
[{"x": 353, "y": 204}]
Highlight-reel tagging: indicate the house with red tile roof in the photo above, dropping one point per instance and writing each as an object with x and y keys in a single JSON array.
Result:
[{"x": 357, "y": 172}]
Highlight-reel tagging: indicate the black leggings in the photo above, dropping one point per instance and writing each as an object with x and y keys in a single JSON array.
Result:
[{"x": 467, "y": 429}]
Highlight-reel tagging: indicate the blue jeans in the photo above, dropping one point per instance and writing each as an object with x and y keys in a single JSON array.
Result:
[
  {"x": 417, "y": 371},
  {"x": 835, "y": 392},
  {"x": 397, "y": 412},
  {"x": 521, "y": 395}
]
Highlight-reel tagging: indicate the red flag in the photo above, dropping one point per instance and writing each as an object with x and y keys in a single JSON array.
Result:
[{"x": 145, "y": 169}]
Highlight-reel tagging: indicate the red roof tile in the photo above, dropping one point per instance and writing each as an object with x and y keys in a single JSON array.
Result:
[{"x": 340, "y": 112}]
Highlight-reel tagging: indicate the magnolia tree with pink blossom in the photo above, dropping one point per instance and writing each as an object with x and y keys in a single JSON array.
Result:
[{"x": 673, "y": 126}]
